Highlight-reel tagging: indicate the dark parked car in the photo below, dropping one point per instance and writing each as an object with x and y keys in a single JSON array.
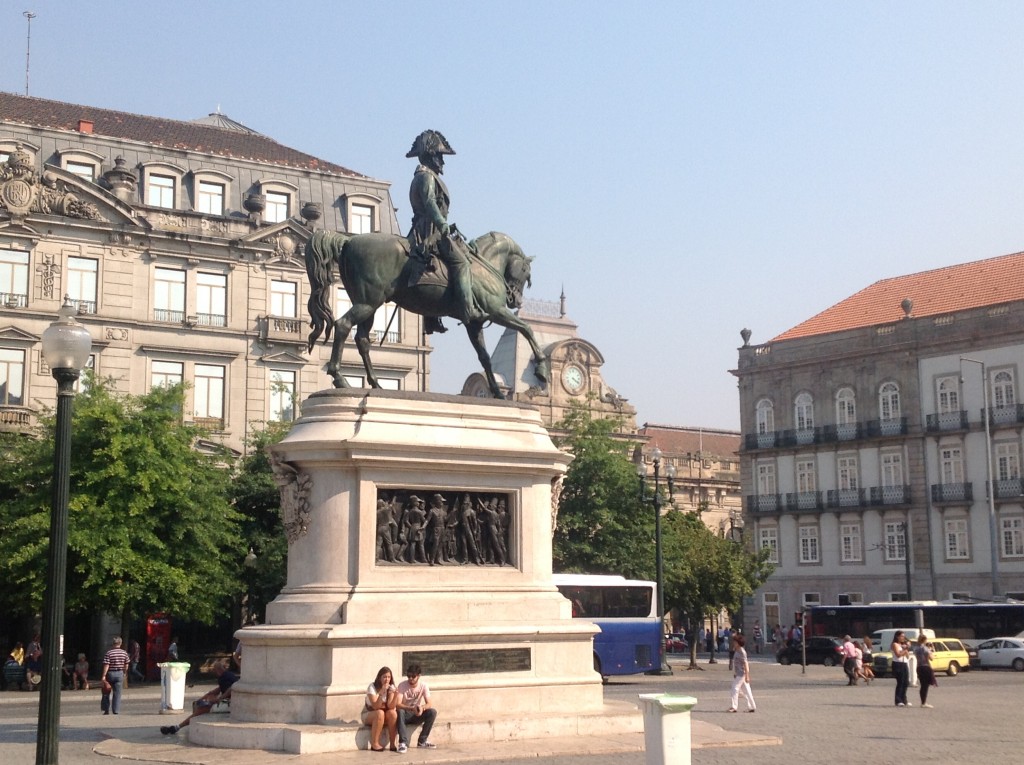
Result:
[{"x": 820, "y": 650}]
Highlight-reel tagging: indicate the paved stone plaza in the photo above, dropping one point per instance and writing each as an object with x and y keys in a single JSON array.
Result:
[{"x": 978, "y": 718}]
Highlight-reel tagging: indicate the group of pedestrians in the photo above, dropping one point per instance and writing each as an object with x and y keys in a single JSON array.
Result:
[
  {"x": 923, "y": 652},
  {"x": 857, "y": 661},
  {"x": 396, "y": 708}
]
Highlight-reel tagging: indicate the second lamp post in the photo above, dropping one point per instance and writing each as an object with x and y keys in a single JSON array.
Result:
[{"x": 656, "y": 500}]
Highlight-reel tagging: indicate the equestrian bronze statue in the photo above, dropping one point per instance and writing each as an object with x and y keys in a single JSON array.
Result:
[{"x": 433, "y": 272}]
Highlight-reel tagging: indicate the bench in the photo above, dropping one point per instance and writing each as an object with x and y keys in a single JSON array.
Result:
[{"x": 14, "y": 675}]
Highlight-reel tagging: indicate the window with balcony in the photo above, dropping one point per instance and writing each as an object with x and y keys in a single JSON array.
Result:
[
  {"x": 767, "y": 492},
  {"x": 806, "y": 476},
  {"x": 892, "y": 489},
  {"x": 1003, "y": 394},
  {"x": 278, "y": 207},
  {"x": 282, "y": 395},
  {"x": 948, "y": 395},
  {"x": 13, "y": 279},
  {"x": 809, "y": 544},
  {"x": 12, "y": 377},
  {"x": 956, "y": 539},
  {"x": 212, "y": 299},
  {"x": 1007, "y": 470},
  {"x": 895, "y": 545},
  {"x": 386, "y": 324},
  {"x": 208, "y": 396},
  {"x": 765, "y": 422},
  {"x": 848, "y": 480},
  {"x": 1013, "y": 536},
  {"x": 804, "y": 417},
  {"x": 168, "y": 295},
  {"x": 769, "y": 539},
  {"x": 81, "y": 283},
  {"x": 951, "y": 461},
  {"x": 284, "y": 298},
  {"x": 889, "y": 401},
  {"x": 166, "y": 374},
  {"x": 160, "y": 190},
  {"x": 850, "y": 543},
  {"x": 210, "y": 198},
  {"x": 846, "y": 414}
]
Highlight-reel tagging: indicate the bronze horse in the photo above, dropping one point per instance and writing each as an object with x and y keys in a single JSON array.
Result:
[{"x": 375, "y": 270}]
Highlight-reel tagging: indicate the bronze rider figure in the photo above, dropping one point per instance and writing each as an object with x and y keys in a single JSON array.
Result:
[{"x": 430, "y": 234}]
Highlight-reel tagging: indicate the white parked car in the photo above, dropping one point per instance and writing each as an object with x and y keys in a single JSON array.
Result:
[{"x": 1002, "y": 652}]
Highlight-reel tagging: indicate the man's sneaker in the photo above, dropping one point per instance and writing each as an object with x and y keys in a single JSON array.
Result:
[
  {"x": 402, "y": 748},
  {"x": 909, "y": 704},
  {"x": 927, "y": 706},
  {"x": 169, "y": 730},
  {"x": 426, "y": 745}
]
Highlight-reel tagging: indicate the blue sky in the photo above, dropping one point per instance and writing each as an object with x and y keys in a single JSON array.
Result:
[{"x": 683, "y": 170}]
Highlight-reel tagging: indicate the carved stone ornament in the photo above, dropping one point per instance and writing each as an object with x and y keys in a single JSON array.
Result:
[
  {"x": 427, "y": 527},
  {"x": 295, "y": 487},
  {"x": 556, "y": 499},
  {"x": 23, "y": 191}
]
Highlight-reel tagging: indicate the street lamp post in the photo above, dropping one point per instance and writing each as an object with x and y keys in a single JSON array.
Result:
[
  {"x": 250, "y": 568},
  {"x": 66, "y": 346},
  {"x": 993, "y": 533},
  {"x": 655, "y": 499},
  {"x": 905, "y": 528}
]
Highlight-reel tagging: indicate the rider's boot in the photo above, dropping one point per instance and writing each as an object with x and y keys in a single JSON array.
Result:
[{"x": 432, "y": 324}]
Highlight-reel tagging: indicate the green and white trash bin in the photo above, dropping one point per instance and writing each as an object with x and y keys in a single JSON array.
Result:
[
  {"x": 667, "y": 728},
  {"x": 172, "y": 686}
]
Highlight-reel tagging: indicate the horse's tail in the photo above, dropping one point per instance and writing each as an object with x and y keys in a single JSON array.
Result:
[{"x": 322, "y": 248}]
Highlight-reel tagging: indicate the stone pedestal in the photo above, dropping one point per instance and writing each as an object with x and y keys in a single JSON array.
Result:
[{"x": 497, "y": 642}]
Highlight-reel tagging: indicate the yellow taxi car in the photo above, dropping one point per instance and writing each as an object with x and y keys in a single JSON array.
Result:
[{"x": 950, "y": 657}]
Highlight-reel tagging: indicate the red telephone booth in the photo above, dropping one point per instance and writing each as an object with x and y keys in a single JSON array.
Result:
[{"x": 158, "y": 639}]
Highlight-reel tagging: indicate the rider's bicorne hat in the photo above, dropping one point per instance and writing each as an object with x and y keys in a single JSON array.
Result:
[{"x": 430, "y": 142}]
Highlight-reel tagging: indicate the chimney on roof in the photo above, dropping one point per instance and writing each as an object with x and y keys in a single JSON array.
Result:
[{"x": 85, "y": 126}]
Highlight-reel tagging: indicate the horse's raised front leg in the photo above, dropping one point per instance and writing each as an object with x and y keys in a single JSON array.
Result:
[
  {"x": 542, "y": 364},
  {"x": 342, "y": 327},
  {"x": 475, "y": 330}
]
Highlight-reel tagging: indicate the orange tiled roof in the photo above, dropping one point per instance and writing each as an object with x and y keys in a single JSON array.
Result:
[
  {"x": 941, "y": 291},
  {"x": 172, "y": 134},
  {"x": 677, "y": 440}
]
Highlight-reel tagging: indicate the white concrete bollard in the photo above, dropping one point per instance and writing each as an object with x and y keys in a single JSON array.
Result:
[{"x": 667, "y": 728}]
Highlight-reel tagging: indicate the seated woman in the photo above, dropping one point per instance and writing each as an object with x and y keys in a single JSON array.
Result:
[
  {"x": 81, "y": 676},
  {"x": 379, "y": 710}
]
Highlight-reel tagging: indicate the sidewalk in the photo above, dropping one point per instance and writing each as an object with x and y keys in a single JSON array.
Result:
[{"x": 135, "y": 735}]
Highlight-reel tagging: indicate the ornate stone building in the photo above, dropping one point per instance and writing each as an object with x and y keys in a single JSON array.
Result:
[
  {"x": 882, "y": 443},
  {"x": 181, "y": 244}
]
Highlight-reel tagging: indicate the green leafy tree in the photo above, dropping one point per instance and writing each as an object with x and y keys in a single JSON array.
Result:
[
  {"x": 603, "y": 527},
  {"x": 705, "y": 573},
  {"x": 150, "y": 526},
  {"x": 257, "y": 499}
]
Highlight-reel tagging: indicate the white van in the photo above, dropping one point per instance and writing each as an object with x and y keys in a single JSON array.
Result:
[{"x": 882, "y": 640}]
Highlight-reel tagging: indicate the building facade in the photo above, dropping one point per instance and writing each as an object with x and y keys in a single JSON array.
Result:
[
  {"x": 180, "y": 244},
  {"x": 882, "y": 440}
]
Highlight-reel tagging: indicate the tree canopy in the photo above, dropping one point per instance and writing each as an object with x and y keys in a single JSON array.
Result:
[{"x": 150, "y": 524}]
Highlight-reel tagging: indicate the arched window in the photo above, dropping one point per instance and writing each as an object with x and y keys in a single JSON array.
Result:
[
  {"x": 804, "y": 414},
  {"x": 765, "y": 417},
  {"x": 889, "y": 401},
  {"x": 846, "y": 407},
  {"x": 1002, "y": 389}
]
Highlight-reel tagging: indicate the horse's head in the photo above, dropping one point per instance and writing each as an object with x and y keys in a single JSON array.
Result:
[
  {"x": 517, "y": 276},
  {"x": 506, "y": 258}
]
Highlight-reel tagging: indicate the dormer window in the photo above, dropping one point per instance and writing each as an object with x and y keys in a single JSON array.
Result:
[
  {"x": 280, "y": 198},
  {"x": 362, "y": 213},
  {"x": 211, "y": 190},
  {"x": 161, "y": 184},
  {"x": 84, "y": 164}
]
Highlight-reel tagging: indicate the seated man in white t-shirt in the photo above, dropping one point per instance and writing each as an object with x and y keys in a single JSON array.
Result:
[{"x": 414, "y": 708}]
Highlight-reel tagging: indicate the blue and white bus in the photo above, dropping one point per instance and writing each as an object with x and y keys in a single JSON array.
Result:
[{"x": 631, "y": 636}]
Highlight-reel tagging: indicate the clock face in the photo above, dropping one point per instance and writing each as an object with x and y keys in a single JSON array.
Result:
[{"x": 573, "y": 378}]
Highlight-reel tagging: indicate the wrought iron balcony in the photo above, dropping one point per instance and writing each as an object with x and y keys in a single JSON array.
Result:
[
  {"x": 845, "y": 498},
  {"x": 1006, "y": 415},
  {"x": 763, "y": 503},
  {"x": 1009, "y": 488},
  {"x": 760, "y": 440},
  {"x": 848, "y": 431},
  {"x": 896, "y": 427},
  {"x": 804, "y": 500},
  {"x": 945, "y": 421},
  {"x": 952, "y": 492},
  {"x": 890, "y": 495}
]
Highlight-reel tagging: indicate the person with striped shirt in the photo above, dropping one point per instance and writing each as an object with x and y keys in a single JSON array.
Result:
[{"x": 115, "y": 663}]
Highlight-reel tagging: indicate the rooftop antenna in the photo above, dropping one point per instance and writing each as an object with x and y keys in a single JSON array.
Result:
[{"x": 28, "y": 44}]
